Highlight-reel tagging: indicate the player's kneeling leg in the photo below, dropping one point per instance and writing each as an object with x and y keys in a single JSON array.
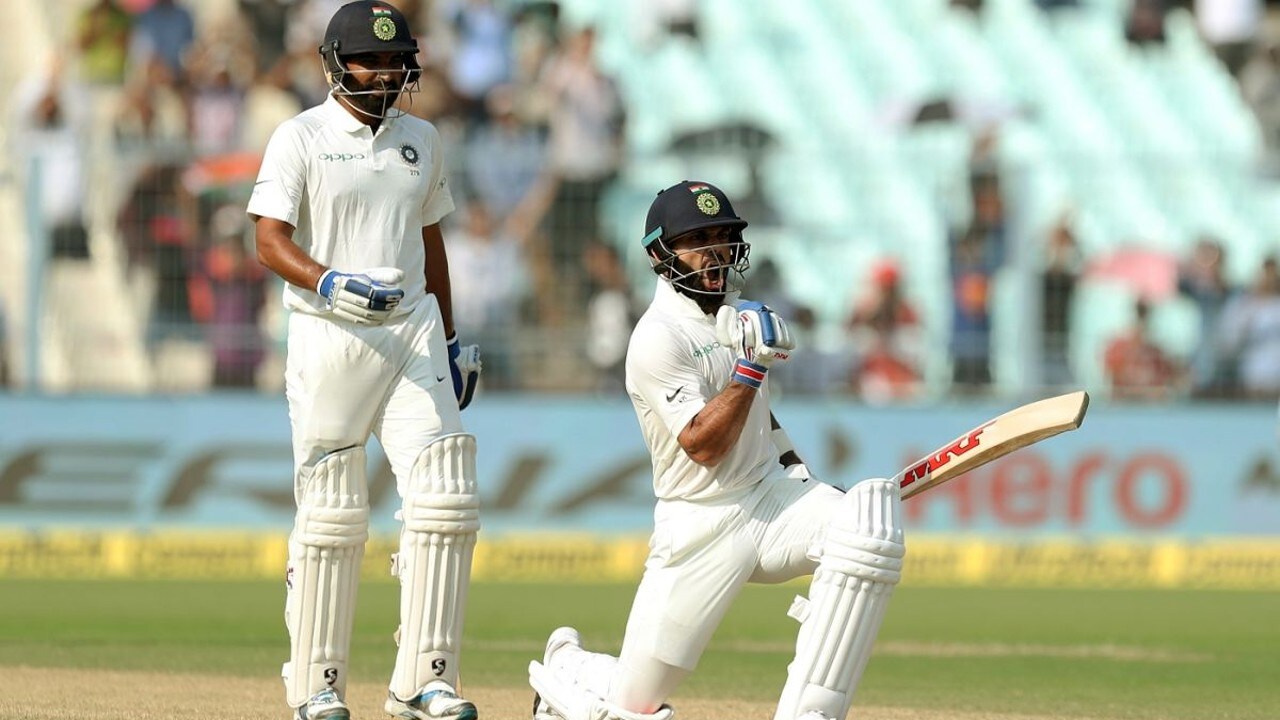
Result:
[
  {"x": 441, "y": 515},
  {"x": 325, "y": 549},
  {"x": 860, "y": 564},
  {"x": 559, "y": 698}
]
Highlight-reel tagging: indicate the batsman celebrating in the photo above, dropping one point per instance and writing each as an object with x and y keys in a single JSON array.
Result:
[
  {"x": 347, "y": 209},
  {"x": 734, "y": 502}
]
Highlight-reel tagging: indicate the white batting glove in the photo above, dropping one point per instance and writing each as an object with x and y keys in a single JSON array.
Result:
[
  {"x": 465, "y": 367},
  {"x": 365, "y": 298},
  {"x": 757, "y": 336}
]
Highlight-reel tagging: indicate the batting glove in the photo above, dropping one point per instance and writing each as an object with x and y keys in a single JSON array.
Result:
[
  {"x": 464, "y": 364},
  {"x": 366, "y": 298},
  {"x": 757, "y": 336}
]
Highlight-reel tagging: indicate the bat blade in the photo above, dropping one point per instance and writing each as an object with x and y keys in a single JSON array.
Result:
[{"x": 994, "y": 439}]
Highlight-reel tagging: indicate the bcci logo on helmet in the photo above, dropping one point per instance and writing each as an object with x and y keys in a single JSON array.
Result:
[
  {"x": 708, "y": 203},
  {"x": 384, "y": 28}
]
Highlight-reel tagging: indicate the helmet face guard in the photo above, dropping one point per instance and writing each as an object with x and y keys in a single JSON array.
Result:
[
  {"x": 370, "y": 27},
  {"x": 338, "y": 75},
  {"x": 688, "y": 207},
  {"x": 667, "y": 263}
]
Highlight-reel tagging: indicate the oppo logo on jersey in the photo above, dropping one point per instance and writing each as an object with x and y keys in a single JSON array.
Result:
[
  {"x": 955, "y": 449},
  {"x": 340, "y": 157}
]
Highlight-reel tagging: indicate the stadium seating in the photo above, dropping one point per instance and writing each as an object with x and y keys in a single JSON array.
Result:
[{"x": 1150, "y": 146}]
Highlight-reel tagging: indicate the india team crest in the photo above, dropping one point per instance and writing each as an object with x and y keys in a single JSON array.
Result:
[
  {"x": 708, "y": 203},
  {"x": 384, "y": 28},
  {"x": 409, "y": 154}
]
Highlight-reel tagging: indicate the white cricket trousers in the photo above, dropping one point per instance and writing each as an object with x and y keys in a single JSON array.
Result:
[
  {"x": 344, "y": 381},
  {"x": 700, "y": 556}
]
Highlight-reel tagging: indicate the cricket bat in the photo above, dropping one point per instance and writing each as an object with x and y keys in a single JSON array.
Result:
[{"x": 994, "y": 439}]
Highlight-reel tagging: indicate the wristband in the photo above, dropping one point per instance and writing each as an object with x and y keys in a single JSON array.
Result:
[
  {"x": 749, "y": 373},
  {"x": 325, "y": 285}
]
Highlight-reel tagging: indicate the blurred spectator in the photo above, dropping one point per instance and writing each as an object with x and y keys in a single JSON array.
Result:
[
  {"x": 102, "y": 38},
  {"x": 885, "y": 331},
  {"x": 1201, "y": 278},
  {"x": 268, "y": 21},
  {"x": 154, "y": 226},
  {"x": 585, "y": 114},
  {"x": 504, "y": 157},
  {"x": 164, "y": 31},
  {"x": 217, "y": 107},
  {"x": 1251, "y": 331},
  {"x": 1137, "y": 369},
  {"x": 1144, "y": 23},
  {"x": 611, "y": 315},
  {"x": 48, "y": 129},
  {"x": 305, "y": 24},
  {"x": 1260, "y": 83},
  {"x": 268, "y": 102},
  {"x": 1230, "y": 27},
  {"x": 977, "y": 253},
  {"x": 153, "y": 115},
  {"x": 812, "y": 369},
  {"x": 1058, "y": 285},
  {"x": 482, "y": 55},
  {"x": 764, "y": 284},
  {"x": 228, "y": 293},
  {"x": 534, "y": 36},
  {"x": 490, "y": 287}
]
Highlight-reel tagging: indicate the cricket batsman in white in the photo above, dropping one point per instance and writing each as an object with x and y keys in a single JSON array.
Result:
[
  {"x": 347, "y": 209},
  {"x": 734, "y": 502}
]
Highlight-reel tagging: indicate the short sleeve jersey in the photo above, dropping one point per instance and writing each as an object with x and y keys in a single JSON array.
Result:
[
  {"x": 675, "y": 367},
  {"x": 359, "y": 200}
]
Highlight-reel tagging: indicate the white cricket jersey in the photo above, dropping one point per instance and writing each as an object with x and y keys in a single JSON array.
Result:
[
  {"x": 674, "y": 367},
  {"x": 358, "y": 200}
]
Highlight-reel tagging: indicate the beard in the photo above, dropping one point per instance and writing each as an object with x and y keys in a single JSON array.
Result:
[
  {"x": 707, "y": 287},
  {"x": 376, "y": 104}
]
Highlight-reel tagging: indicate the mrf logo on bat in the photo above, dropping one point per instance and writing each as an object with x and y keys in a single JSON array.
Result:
[{"x": 961, "y": 446}]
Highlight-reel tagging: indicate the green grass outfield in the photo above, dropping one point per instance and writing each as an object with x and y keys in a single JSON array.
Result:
[{"x": 1190, "y": 655}]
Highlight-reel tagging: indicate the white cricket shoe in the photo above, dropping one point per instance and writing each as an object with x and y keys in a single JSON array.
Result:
[
  {"x": 435, "y": 701},
  {"x": 324, "y": 705},
  {"x": 561, "y": 637}
]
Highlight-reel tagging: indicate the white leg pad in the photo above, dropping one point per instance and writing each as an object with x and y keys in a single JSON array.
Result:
[
  {"x": 564, "y": 699},
  {"x": 860, "y": 564},
  {"x": 325, "y": 549},
  {"x": 441, "y": 515}
]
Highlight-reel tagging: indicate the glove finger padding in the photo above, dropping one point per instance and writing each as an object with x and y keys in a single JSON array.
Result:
[
  {"x": 389, "y": 276},
  {"x": 361, "y": 298},
  {"x": 782, "y": 333},
  {"x": 729, "y": 329},
  {"x": 754, "y": 332},
  {"x": 465, "y": 367}
]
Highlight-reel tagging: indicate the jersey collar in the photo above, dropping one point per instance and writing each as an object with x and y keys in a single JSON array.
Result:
[
  {"x": 669, "y": 300},
  {"x": 341, "y": 117}
]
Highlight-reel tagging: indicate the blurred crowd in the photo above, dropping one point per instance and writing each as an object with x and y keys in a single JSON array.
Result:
[{"x": 534, "y": 133}]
